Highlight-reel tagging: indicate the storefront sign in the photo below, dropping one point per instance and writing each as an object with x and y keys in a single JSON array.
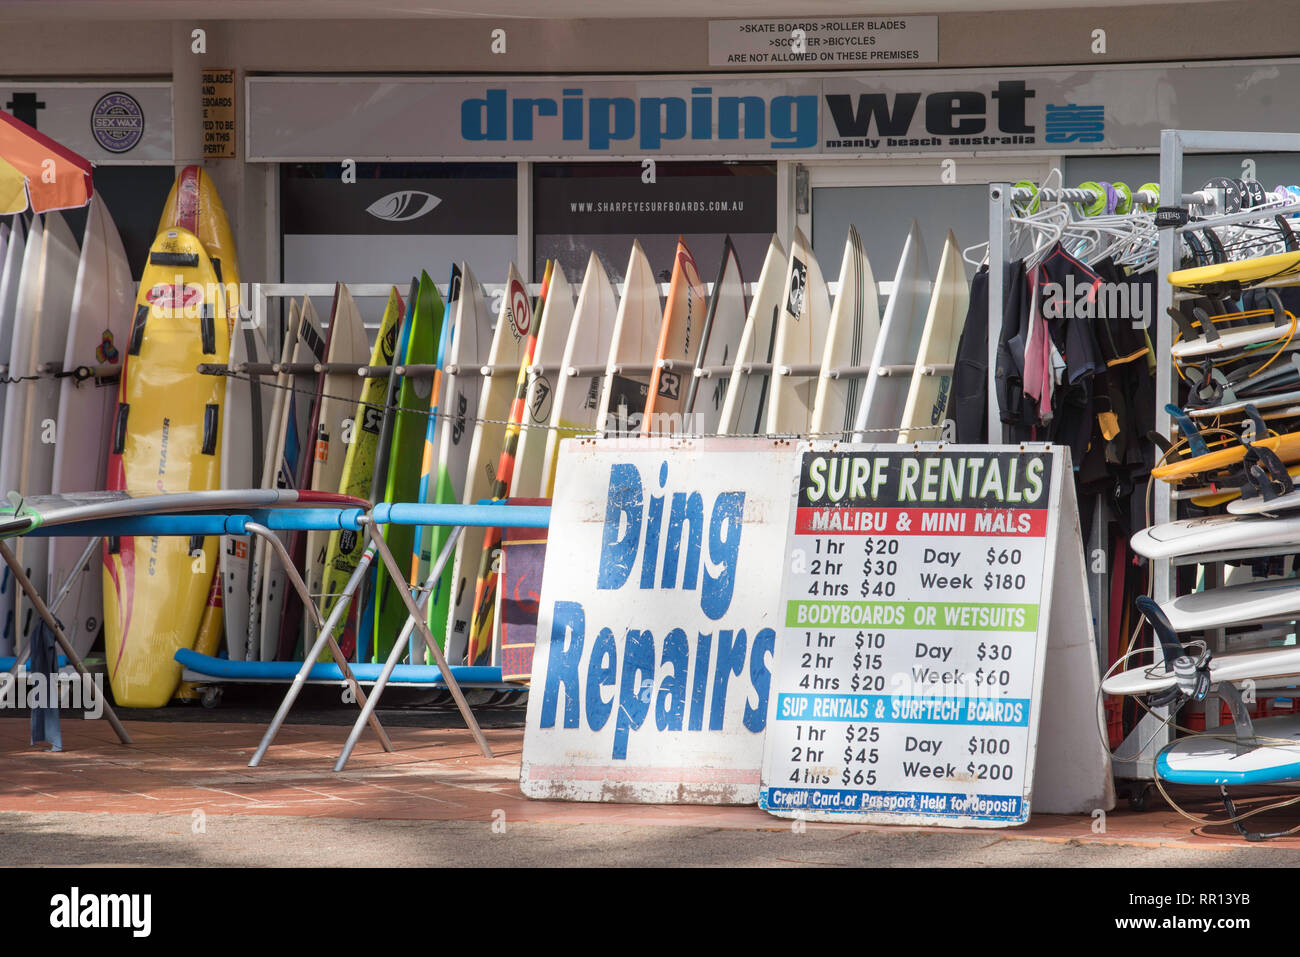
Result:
[
  {"x": 129, "y": 123},
  {"x": 219, "y": 114},
  {"x": 917, "y": 602},
  {"x": 868, "y": 42},
  {"x": 659, "y": 622},
  {"x": 768, "y": 116}
]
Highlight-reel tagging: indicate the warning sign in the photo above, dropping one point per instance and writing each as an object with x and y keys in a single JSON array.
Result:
[{"x": 219, "y": 114}]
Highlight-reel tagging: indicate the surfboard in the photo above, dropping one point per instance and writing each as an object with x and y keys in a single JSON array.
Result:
[
  {"x": 167, "y": 436},
  {"x": 634, "y": 345},
  {"x": 1270, "y": 599},
  {"x": 1258, "y": 505},
  {"x": 195, "y": 204},
  {"x": 1232, "y": 408},
  {"x": 509, "y": 341},
  {"x": 1208, "y": 759},
  {"x": 744, "y": 410},
  {"x": 1232, "y": 340},
  {"x": 292, "y": 440},
  {"x": 884, "y": 397},
  {"x": 539, "y": 405},
  {"x": 270, "y": 478},
  {"x": 1278, "y": 662},
  {"x": 480, "y": 648},
  {"x": 927, "y": 396},
  {"x": 468, "y": 345},
  {"x": 1247, "y": 272},
  {"x": 9, "y": 280},
  {"x": 343, "y": 551},
  {"x": 1286, "y": 447},
  {"x": 850, "y": 341},
  {"x": 1214, "y": 533},
  {"x": 801, "y": 331},
  {"x": 414, "y": 399},
  {"x": 339, "y": 394},
  {"x": 31, "y": 414},
  {"x": 591, "y": 336},
  {"x": 678, "y": 344},
  {"x": 102, "y": 299},
  {"x": 724, "y": 325}
]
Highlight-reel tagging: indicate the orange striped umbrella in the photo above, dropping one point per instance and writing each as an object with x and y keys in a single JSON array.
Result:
[{"x": 38, "y": 173}]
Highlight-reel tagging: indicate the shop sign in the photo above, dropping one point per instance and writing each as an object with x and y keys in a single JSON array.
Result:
[
  {"x": 801, "y": 42},
  {"x": 659, "y": 621},
  {"x": 107, "y": 123}
]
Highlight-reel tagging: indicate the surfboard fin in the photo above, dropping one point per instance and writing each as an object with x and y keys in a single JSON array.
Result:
[
  {"x": 1195, "y": 441},
  {"x": 1192, "y": 673}
]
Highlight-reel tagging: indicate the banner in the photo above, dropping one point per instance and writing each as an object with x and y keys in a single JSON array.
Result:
[
  {"x": 659, "y": 621},
  {"x": 106, "y": 122}
]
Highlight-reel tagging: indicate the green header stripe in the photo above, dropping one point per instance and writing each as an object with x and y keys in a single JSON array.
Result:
[{"x": 909, "y": 615}]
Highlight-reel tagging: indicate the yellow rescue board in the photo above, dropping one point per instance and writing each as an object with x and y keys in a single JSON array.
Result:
[
  {"x": 166, "y": 439},
  {"x": 194, "y": 205},
  {"x": 1246, "y": 271}
]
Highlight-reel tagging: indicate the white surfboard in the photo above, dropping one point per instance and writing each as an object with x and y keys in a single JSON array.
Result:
[
  {"x": 1273, "y": 757},
  {"x": 10, "y": 279},
  {"x": 338, "y": 405},
  {"x": 1236, "y": 666},
  {"x": 720, "y": 338},
  {"x": 801, "y": 330},
  {"x": 885, "y": 393},
  {"x": 1263, "y": 402},
  {"x": 528, "y": 480},
  {"x": 39, "y": 342},
  {"x": 744, "y": 410},
  {"x": 308, "y": 346},
  {"x": 469, "y": 350},
  {"x": 591, "y": 335},
  {"x": 1280, "y": 505},
  {"x": 509, "y": 340},
  {"x": 103, "y": 302},
  {"x": 927, "y": 397},
  {"x": 1215, "y": 533},
  {"x": 850, "y": 342},
  {"x": 1230, "y": 340},
  {"x": 246, "y": 409},
  {"x": 633, "y": 348},
  {"x": 1270, "y": 599}
]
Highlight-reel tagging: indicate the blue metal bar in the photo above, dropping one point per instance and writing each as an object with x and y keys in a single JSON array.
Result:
[{"x": 488, "y": 516}]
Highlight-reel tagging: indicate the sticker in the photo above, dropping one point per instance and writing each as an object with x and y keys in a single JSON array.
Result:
[
  {"x": 521, "y": 312},
  {"x": 798, "y": 279},
  {"x": 117, "y": 122}
]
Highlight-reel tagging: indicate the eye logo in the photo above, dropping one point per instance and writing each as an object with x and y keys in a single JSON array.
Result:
[{"x": 403, "y": 205}]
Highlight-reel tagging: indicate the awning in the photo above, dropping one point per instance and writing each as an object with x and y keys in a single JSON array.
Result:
[{"x": 38, "y": 173}]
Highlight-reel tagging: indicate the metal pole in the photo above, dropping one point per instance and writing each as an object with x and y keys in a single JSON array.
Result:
[
  {"x": 395, "y": 654},
  {"x": 301, "y": 587},
  {"x": 999, "y": 251},
  {"x": 39, "y": 604},
  {"x": 300, "y": 679},
  {"x": 423, "y": 627},
  {"x": 86, "y": 556}
]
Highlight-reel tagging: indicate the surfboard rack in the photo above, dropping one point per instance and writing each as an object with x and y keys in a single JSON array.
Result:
[
  {"x": 708, "y": 372},
  {"x": 592, "y": 370},
  {"x": 800, "y": 370},
  {"x": 633, "y": 368},
  {"x": 417, "y": 371},
  {"x": 756, "y": 368},
  {"x": 677, "y": 365}
]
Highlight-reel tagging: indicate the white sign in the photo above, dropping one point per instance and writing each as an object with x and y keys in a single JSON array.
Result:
[
  {"x": 107, "y": 123},
  {"x": 825, "y": 41},
  {"x": 659, "y": 621},
  {"x": 917, "y": 603}
]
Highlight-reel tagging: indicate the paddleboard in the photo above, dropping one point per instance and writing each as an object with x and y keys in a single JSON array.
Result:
[
  {"x": 1286, "y": 447},
  {"x": 539, "y": 404},
  {"x": 344, "y": 548},
  {"x": 1269, "y": 599},
  {"x": 1257, "y": 505},
  {"x": 1233, "y": 340},
  {"x": 591, "y": 336},
  {"x": 632, "y": 352},
  {"x": 927, "y": 397},
  {"x": 724, "y": 326},
  {"x": 801, "y": 332},
  {"x": 510, "y": 338},
  {"x": 167, "y": 436},
  {"x": 1205, "y": 759},
  {"x": 1247, "y": 272},
  {"x": 415, "y": 396},
  {"x": 850, "y": 341},
  {"x": 679, "y": 333},
  {"x": 1231, "y": 408},
  {"x": 468, "y": 349},
  {"x": 1279, "y": 662},
  {"x": 885, "y": 394},
  {"x": 744, "y": 410},
  {"x": 340, "y": 392},
  {"x": 102, "y": 300},
  {"x": 480, "y": 648}
]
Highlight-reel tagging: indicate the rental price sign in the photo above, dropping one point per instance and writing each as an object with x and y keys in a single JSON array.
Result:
[
  {"x": 659, "y": 621},
  {"x": 915, "y": 603}
]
